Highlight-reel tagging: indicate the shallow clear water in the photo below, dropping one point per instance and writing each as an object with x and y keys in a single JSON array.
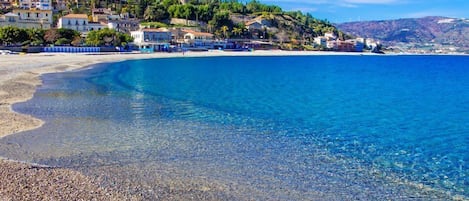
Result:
[{"x": 297, "y": 127}]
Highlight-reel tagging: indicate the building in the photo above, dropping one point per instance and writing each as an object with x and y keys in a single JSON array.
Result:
[
  {"x": 5, "y": 4},
  {"x": 36, "y": 4},
  {"x": 77, "y": 22},
  {"x": 152, "y": 39},
  {"x": 100, "y": 14},
  {"x": 124, "y": 26},
  {"x": 80, "y": 23},
  {"x": 345, "y": 46},
  {"x": 258, "y": 23},
  {"x": 59, "y": 5},
  {"x": 27, "y": 19},
  {"x": 330, "y": 36},
  {"x": 332, "y": 45},
  {"x": 201, "y": 40},
  {"x": 320, "y": 41}
]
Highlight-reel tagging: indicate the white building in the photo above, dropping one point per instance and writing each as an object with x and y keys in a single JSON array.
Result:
[
  {"x": 27, "y": 19},
  {"x": 154, "y": 39},
  {"x": 330, "y": 36},
  {"x": 320, "y": 41},
  {"x": 36, "y": 4},
  {"x": 79, "y": 22},
  {"x": 199, "y": 39}
]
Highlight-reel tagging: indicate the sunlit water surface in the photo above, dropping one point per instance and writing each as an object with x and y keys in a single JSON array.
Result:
[{"x": 282, "y": 128}]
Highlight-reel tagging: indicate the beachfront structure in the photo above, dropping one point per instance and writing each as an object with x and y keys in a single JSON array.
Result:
[
  {"x": 330, "y": 36},
  {"x": 80, "y": 23},
  {"x": 201, "y": 40},
  {"x": 27, "y": 19},
  {"x": 152, "y": 39},
  {"x": 320, "y": 41},
  {"x": 332, "y": 45},
  {"x": 36, "y": 4},
  {"x": 77, "y": 22}
]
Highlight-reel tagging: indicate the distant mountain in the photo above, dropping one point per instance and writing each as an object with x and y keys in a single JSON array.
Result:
[{"x": 428, "y": 30}]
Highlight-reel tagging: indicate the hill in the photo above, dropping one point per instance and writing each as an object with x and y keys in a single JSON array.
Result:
[{"x": 434, "y": 32}]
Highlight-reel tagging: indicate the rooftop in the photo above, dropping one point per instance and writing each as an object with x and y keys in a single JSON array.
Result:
[
  {"x": 196, "y": 33},
  {"x": 76, "y": 16}
]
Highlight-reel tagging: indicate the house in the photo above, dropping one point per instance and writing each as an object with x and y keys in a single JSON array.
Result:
[
  {"x": 36, "y": 4},
  {"x": 332, "y": 45},
  {"x": 79, "y": 22},
  {"x": 124, "y": 25},
  {"x": 358, "y": 44},
  {"x": 330, "y": 36},
  {"x": 345, "y": 46},
  {"x": 59, "y": 5},
  {"x": 5, "y": 4},
  {"x": 27, "y": 19},
  {"x": 101, "y": 14},
  {"x": 201, "y": 40},
  {"x": 258, "y": 23},
  {"x": 320, "y": 41},
  {"x": 152, "y": 39}
]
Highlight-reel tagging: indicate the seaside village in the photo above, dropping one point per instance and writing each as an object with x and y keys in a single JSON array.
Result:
[{"x": 190, "y": 37}]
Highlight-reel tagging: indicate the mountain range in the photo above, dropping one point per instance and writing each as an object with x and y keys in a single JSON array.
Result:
[{"x": 428, "y": 31}]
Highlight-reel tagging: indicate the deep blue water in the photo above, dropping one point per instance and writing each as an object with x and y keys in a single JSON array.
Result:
[{"x": 288, "y": 128}]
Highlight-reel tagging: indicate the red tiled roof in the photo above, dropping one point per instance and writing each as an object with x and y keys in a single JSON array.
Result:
[{"x": 196, "y": 33}]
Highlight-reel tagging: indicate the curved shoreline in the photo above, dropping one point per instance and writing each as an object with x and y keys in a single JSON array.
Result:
[
  {"x": 20, "y": 75},
  {"x": 19, "y": 85}
]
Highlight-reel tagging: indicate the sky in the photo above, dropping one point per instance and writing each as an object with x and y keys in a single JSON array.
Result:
[{"x": 338, "y": 11}]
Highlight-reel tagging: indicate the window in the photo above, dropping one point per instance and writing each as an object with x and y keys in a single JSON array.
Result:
[
  {"x": 69, "y": 22},
  {"x": 29, "y": 14},
  {"x": 37, "y": 15},
  {"x": 76, "y": 22}
]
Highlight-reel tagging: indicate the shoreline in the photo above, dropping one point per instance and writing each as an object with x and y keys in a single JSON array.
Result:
[
  {"x": 19, "y": 78},
  {"x": 20, "y": 75}
]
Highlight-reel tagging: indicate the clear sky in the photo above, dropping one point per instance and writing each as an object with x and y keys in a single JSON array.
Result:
[{"x": 357, "y": 10}]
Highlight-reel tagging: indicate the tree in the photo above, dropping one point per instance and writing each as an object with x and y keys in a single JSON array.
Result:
[
  {"x": 13, "y": 35},
  {"x": 156, "y": 13},
  {"x": 62, "y": 41},
  {"x": 107, "y": 37},
  {"x": 149, "y": 14},
  {"x": 220, "y": 19},
  {"x": 237, "y": 31},
  {"x": 224, "y": 30},
  {"x": 77, "y": 41},
  {"x": 68, "y": 34},
  {"x": 51, "y": 35},
  {"x": 36, "y": 36}
]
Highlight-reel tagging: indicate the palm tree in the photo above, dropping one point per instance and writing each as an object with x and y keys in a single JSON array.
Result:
[
  {"x": 237, "y": 31},
  {"x": 225, "y": 29}
]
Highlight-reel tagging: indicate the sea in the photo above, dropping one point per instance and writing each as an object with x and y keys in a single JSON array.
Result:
[{"x": 355, "y": 127}]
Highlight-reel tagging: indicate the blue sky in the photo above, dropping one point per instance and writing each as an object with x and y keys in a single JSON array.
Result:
[{"x": 356, "y": 10}]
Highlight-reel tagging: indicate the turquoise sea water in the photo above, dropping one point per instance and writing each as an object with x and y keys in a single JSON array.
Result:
[{"x": 282, "y": 128}]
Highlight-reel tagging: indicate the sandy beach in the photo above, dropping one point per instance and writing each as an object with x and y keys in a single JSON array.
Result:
[{"x": 19, "y": 77}]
